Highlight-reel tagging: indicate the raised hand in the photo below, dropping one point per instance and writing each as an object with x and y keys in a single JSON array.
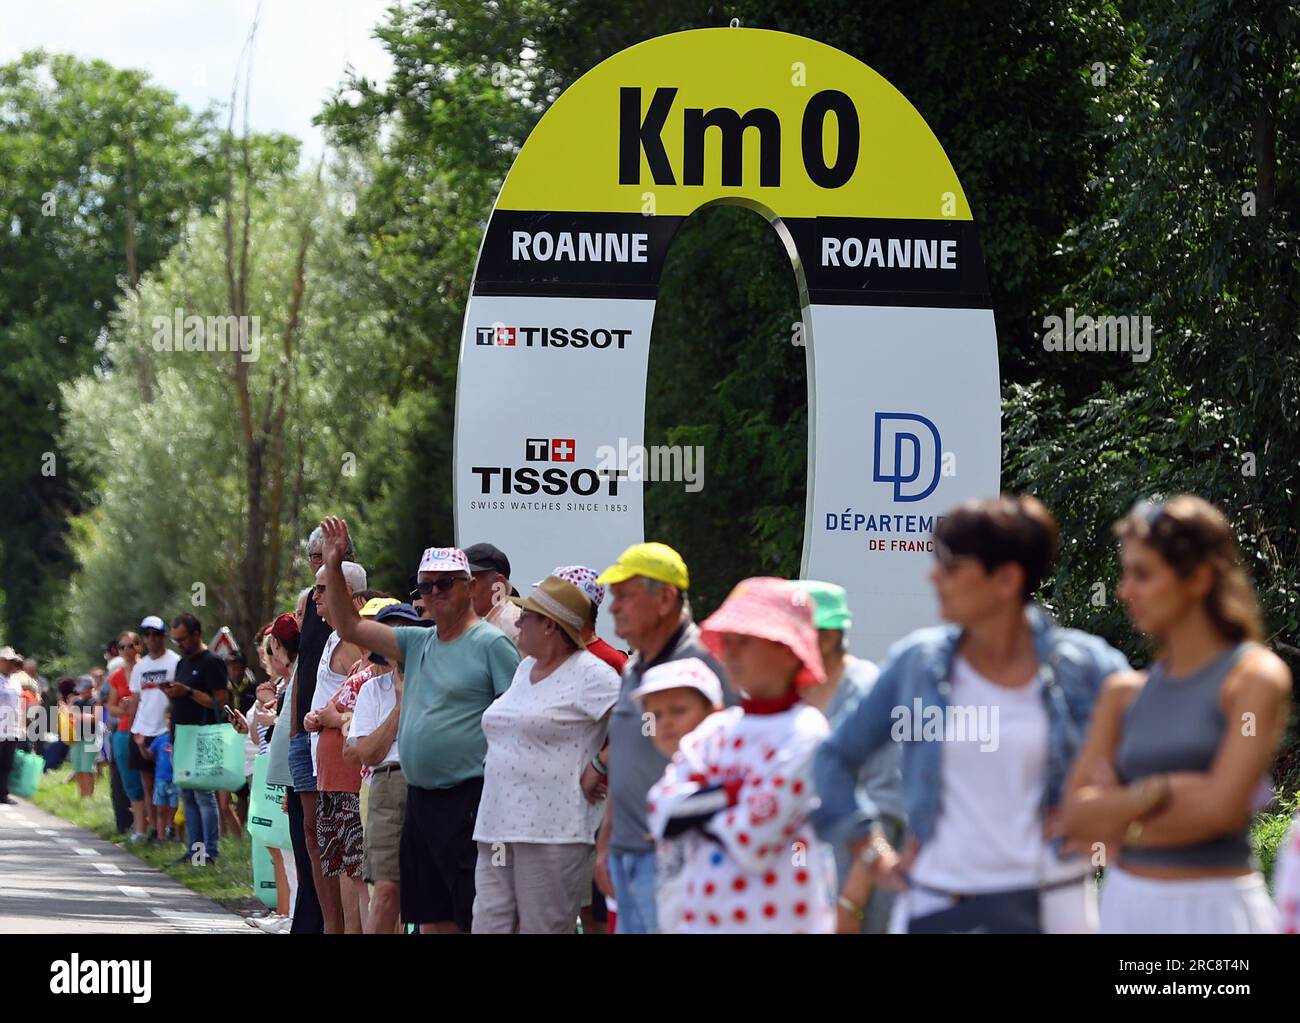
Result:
[{"x": 336, "y": 540}]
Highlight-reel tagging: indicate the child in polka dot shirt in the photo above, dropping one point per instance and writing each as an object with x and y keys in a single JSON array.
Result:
[
  {"x": 677, "y": 696},
  {"x": 739, "y": 787}
]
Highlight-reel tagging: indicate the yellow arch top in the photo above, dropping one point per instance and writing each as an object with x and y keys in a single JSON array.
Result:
[{"x": 780, "y": 88}]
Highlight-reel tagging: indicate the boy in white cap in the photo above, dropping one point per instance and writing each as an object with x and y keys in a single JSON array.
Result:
[{"x": 677, "y": 696}]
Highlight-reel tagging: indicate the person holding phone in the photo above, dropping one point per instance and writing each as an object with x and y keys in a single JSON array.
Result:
[{"x": 198, "y": 694}]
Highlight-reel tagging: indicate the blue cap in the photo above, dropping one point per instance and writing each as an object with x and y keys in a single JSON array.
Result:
[{"x": 398, "y": 614}]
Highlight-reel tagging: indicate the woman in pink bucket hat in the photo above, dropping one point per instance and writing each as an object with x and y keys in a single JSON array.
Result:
[{"x": 743, "y": 779}]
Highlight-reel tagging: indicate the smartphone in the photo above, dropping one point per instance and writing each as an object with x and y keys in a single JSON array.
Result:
[{"x": 230, "y": 715}]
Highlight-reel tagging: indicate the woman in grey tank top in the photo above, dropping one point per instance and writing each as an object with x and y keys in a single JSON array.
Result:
[{"x": 1164, "y": 788}]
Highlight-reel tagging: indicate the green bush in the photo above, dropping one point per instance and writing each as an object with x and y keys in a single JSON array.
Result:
[{"x": 1269, "y": 831}]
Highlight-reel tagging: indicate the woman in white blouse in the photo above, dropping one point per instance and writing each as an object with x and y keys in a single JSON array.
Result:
[{"x": 535, "y": 830}]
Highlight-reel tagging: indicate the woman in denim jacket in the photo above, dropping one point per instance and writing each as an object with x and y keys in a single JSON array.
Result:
[{"x": 990, "y": 711}]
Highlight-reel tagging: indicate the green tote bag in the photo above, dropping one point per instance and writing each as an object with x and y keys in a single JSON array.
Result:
[
  {"x": 208, "y": 757},
  {"x": 264, "y": 886},
  {"x": 25, "y": 778},
  {"x": 268, "y": 822}
]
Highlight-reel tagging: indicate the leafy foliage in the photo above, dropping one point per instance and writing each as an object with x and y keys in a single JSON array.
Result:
[
  {"x": 99, "y": 171},
  {"x": 171, "y": 500}
]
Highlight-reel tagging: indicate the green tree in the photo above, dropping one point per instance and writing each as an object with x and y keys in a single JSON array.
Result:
[
  {"x": 99, "y": 169},
  {"x": 172, "y": 509},
  {"x": 1199, "y": 229}
]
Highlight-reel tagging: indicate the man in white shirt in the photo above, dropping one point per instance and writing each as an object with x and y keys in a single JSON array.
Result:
[
  {"x": 149, "y": 674},
  {"x": 337, "y": 657}
]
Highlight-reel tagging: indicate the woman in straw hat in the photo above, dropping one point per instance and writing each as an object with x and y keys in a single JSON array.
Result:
[
  {"x": 535, "y": 830},
  {"x": 743, "y": 778}
]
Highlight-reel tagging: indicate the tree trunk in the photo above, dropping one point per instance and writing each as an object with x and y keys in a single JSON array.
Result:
[{"x": 132, "y": 260}]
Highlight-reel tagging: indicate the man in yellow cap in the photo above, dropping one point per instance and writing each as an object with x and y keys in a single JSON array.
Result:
[{"x": 648, "y": 585}]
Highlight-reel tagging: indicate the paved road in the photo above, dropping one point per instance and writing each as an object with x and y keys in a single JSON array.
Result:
[{"x": 61, "y": 879}]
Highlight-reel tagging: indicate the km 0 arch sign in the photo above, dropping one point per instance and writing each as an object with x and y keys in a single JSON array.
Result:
[{"x": 902, "y": 358}]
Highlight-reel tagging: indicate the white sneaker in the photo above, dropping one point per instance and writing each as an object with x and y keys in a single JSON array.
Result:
[
  {"x": 272, "y": 923},
  {"x": 137, "y": 836}
]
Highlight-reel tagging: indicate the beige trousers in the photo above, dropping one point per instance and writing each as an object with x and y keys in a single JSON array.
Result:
[{"x": 529, "y": 887}]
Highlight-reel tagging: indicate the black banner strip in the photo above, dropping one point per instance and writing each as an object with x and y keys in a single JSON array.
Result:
[{"x": 845, "y": 260}]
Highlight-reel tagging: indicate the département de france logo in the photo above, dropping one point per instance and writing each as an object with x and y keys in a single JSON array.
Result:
[{"x": 907, "y": 453}]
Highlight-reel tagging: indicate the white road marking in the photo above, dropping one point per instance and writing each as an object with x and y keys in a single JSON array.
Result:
[
  {"x": 45, "y": 831},
  {"x": 204, "y": 922},
  {"x": 134, "y": 891},
  {"x": 81, "y": 850},
  {"x": 109, "y": 868},
  {"x": 66, "y": 841}
]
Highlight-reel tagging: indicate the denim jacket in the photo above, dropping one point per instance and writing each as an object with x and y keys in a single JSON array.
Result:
[{"x": 1072, "y": 664}]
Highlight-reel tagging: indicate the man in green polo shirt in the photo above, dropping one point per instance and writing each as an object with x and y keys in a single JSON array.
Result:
[{"x": 452, "y": 673}]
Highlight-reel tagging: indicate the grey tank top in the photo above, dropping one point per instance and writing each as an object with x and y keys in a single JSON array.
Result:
[{"x": 1176, "y": 724}]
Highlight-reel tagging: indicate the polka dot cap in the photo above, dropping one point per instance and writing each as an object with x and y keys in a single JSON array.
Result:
[{"x": 584, "y": 578}]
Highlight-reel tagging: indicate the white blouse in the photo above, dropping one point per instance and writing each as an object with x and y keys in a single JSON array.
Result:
[{"x": 540, "y": 738}]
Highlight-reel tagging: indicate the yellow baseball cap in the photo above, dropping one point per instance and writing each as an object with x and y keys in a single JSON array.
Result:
[
  {"x": 652, "y": 560},
  {"x": 375, "y": 604}
]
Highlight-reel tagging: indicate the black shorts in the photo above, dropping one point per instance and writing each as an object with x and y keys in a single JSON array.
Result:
[
  {"x": 135, "y": 760},
  {"x": 438, "y": 854}
]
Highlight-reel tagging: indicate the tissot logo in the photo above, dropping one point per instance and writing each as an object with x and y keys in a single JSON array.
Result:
[
  {"x": 501, "y": 336},
  {"x": 505, "y": 479},
  {"x": 549, "y": 449}
]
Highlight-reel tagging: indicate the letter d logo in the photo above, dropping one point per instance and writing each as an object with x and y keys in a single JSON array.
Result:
[{"x": 901, "y": 455}]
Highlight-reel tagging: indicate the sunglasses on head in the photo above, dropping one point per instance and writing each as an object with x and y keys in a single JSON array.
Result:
[
  {"x": 1150, "y": 511},
  {"x": 441, "y": 585}
]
